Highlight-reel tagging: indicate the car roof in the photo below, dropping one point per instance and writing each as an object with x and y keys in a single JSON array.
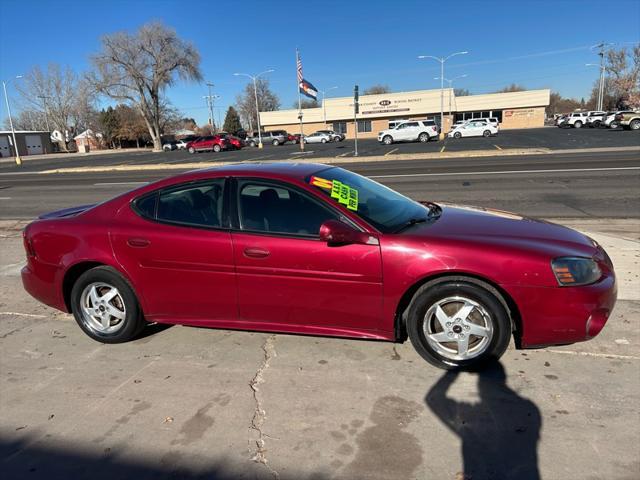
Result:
[{"x": 283, "y": 169}]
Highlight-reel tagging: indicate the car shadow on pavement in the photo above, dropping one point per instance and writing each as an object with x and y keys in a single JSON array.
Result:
[{"x": 499, "y": 433}]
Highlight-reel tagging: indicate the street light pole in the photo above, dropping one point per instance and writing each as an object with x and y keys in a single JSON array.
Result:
[
  {"x": 324, "y": 108},
  {"x": 451, "y": 86},
  {"x": 442, "y": 60},
  {"x": 13, "y": 132},
  {"x": 255, "y": 91}
]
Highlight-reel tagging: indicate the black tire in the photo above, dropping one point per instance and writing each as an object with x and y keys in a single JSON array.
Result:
[
  {"x": 252, "y": 143},
  {"x": 387, "y": 140},
  {"x": 275, "y": 143},
  {"x": 457, "y": 135},
  {"x": 324, "y": 140},
  {"x": 635, "y": 124},
  {"x": 486, "y": 134},
  {"x": 133, "y": 322},
  {"x": 423, "y": 137},
  {"x": 192, "y": 150},
  {"x": 578, "y": 124},
  {"x": 336, "y": 139},
  {"x": 431, "y": 294},
  {"x": 613, "y": 125},
  {"x": 596, "y": 124}
]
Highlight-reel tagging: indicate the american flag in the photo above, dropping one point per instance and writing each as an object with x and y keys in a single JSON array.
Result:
[{"x": 299, "y": 66}]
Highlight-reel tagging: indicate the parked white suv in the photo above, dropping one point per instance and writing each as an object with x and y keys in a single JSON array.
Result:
[
  {"x": 595, "y": 119},
  {"x": 422, "y": 130},
  {"x": 576, "y": 119}
]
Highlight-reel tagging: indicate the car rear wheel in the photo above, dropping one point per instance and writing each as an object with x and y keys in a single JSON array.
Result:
[
  {"x": 217, "y": 148},
  {"x": 387, "y": 140},
  {"x": 324, "y": 140},
  {"x": 336, "y": 139},
  {"x": 423, "y": 137},
  {"x": 192, "y": 150},
  {"x": 105, "y": 306},
  {"x": 578, "y": 124},
  {"x": 486, "y": 133},
  {"x": 635, "y": 124},
  {"x": 275, "y": 143},
  {"x": 458, "y": 324},
  {"x": 252, "y": 144},
  {"x": 457, "y": 135},
  {"x": 614, "y": 125},
  {"x": 596, "y": 124}
]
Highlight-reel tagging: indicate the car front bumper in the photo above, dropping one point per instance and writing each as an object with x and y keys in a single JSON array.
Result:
[{"x": 563, "y": 315}]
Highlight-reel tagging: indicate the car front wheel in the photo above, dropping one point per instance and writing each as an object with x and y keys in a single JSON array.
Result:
[
  {"x": 457, "y": 135},
  {"x": 192, "y": 150},
  {"x": 423, "y": 137},
  {"x": 387, "y": 140},
  {"x": 275, "y": 143},
  {"x": 578, "y": 124},
  {"x": 634, "y": 125},
  {"x": 217, "y": 148},
  {"x": 105, "y": 306},
  {"x": 458, "y": 324},
  {"x": 486, "y": 134}
]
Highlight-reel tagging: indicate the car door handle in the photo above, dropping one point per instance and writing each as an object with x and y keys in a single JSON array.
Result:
[
  {"x": 138, "y": 242},
  {"x": 254, "y": 252}
]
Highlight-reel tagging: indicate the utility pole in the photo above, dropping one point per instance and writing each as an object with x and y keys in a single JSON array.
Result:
[
  {"x": 44, "y": 99},
  {"x": 210, "y": 103},
  {"x": 13, "y": 132},
  {"x": 601, "y": 51},
  {"x": 255, "y": 92},
  {"x": 356, "y": 110}
]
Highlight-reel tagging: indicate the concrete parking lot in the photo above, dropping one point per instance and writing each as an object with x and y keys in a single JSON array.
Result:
[
  {"x": 199, "y": 403},
  {"x": 537, "y": 139}
]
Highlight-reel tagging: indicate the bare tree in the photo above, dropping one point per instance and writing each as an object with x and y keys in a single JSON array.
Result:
[
  {"x": 27, "y": 120},
  {"x": 514, "y": 87},
  {"x": 311, "y": 103},
  {"x": 623, "y": 76},
  {"x": 137, "y": 68},
  {"x": 267, "y": 101},
  {"x": 62, "y": 99},
  {"x": 377, "y": 90}
]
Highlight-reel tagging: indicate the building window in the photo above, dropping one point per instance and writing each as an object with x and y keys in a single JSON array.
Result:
[
  {"x": 364, "y": 126},
  {"x": 340, "y": 127},
  {"x": 497, "y": 114}
]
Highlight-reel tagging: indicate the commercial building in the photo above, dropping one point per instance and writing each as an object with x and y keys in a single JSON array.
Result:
[
  {"x": 29, "y": 143},
  {"x": 525, "y": 109}
]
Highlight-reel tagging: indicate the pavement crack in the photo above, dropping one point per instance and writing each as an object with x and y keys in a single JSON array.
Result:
[{"x": 259, "y": 414}]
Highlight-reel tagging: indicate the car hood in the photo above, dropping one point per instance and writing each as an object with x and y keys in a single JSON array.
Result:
[{"x": 498, "y": 228}]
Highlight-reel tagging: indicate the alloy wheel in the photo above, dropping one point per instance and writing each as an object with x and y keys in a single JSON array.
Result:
[{"x": 102, "y": 307}]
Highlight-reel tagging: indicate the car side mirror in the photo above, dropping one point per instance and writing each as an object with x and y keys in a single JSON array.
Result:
[{"x": 337, "y": 233}]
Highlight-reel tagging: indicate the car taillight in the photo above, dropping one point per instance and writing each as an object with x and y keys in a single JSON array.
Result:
[{"x": 28, "y": 245}]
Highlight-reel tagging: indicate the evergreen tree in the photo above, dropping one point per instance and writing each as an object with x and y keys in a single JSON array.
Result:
[
  {"x": 109, "y": 125},
  {"x": 232, "y": 121}
]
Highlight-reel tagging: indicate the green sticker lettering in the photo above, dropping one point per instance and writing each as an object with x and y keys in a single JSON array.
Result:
[
  {"x": 335, "y": 189},
  {"x": 353, "y": 199}
]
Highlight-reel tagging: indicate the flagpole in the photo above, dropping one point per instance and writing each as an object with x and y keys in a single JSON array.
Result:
[{"x": 299, "y": 102}]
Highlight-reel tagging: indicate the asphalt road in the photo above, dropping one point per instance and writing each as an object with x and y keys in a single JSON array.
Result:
[
  {"x": 585, "y": 185},
  {"x": 550, "y": 138}
]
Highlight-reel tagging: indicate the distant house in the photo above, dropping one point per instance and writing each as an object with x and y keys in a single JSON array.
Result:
[
  {"x": 183, "y": 133},
  {"x": 91, "y": 139}
]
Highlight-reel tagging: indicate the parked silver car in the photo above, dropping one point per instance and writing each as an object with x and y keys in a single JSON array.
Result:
[{"x": 318, "y": 137}]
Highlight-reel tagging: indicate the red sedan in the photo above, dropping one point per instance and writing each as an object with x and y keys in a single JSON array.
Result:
[{"x": 313, "y": 249}]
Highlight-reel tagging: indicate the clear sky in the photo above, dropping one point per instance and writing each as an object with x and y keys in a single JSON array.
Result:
[{"x": 539, "y": 44}]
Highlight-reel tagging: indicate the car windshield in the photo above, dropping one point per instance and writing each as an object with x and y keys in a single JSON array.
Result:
[{"x": 385, "y": 209}]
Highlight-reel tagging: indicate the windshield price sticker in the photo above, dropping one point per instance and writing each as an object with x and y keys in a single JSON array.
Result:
[{"x": 342, "y": 192}]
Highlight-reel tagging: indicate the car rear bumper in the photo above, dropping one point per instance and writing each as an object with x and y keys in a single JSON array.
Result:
[
  {"x": 39, "y": 280},
  {"x": 563, "y": 315}
]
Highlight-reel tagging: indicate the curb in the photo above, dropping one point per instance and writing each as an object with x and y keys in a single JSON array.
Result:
[{"x": 334, "y": 160}]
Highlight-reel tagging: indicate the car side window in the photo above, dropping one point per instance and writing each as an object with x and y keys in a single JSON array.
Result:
[
  {"x": 275, "y": 209},
  {"x": 412, "y": 124},
  {"x": 192, "y": 205}
]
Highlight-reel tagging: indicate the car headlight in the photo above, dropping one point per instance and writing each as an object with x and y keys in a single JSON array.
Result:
[{"x": 574, "y": 271}]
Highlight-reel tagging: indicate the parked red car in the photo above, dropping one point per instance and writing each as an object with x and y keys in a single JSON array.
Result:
[
  {"x": 234, "y": 142},
  {"x": 208, "y": 143},
  {"x": 314, "y": 249},
  {"x": 293, "y": 137}
]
